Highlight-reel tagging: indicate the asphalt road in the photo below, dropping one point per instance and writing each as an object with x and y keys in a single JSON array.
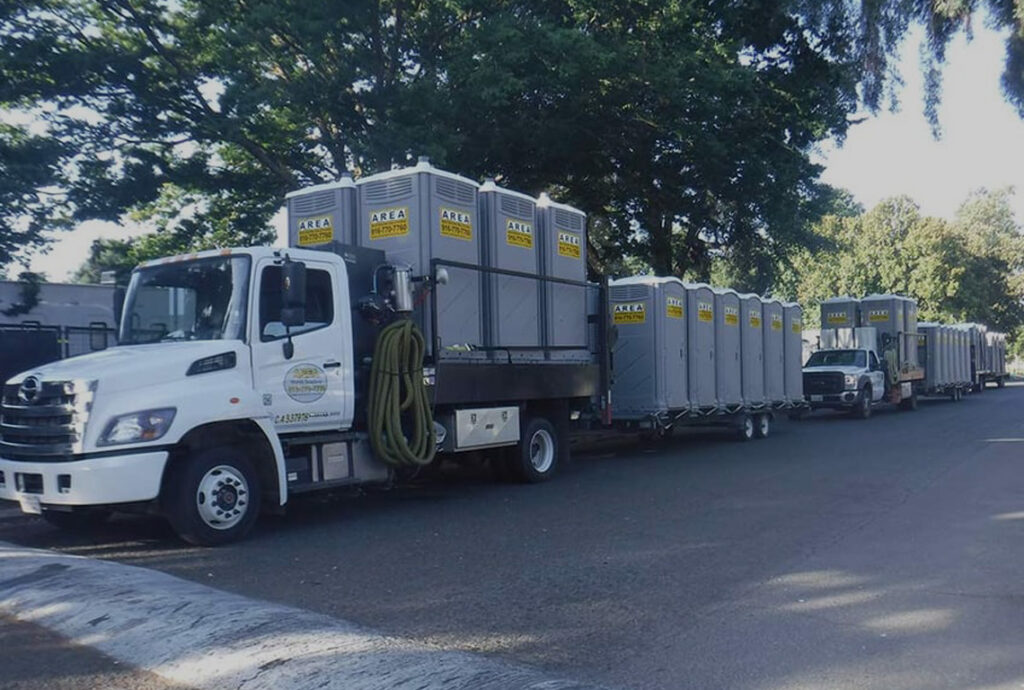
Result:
[{"x": 884, "y": 553}]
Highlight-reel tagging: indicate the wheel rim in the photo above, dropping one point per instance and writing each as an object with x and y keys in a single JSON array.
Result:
[
  {"x": 748, "y": 428},
  {"x": 763, "y": 425},
  {"x": 542, "y": 451},
  {"x": 222, "y": 498}
]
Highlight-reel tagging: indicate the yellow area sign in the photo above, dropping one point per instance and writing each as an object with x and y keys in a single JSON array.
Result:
[
  {"x": 386, "y": 223},
  {"x": 673, "y": 307},
  {"x": 569, "y": 245},
  {"x": 456, "y": 224},
  {"x": 754, "y": 319},
  {"x": 705, "y": 312},
  {"x": 797, "y": 326},
  {"x": 776, "y": 322},
  {"x": 731, "y": 316},
  {"x": 315, "y": 230},
  {"x": 837, "y": 318},
  {"x": 878, "y": 315},
  {"x": 519, "y": 234},
  {"x": 629, "y": 313}
]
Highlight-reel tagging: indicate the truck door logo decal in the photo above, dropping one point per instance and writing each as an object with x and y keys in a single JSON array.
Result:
[
  {"x": 568, "y": 244},
  {"x": 457, "y": 224},
  {"x": 731, "y": 315},
  {"x": 305, "y": 383},
  {"x": 518, "y": 233},
  {"x": 386, "y": 223},
  {"x": 705, "y": 312},
  {"x": 629, "y": 313},
  {"x": 315, "y": 230},
  {"x": 673, "y": 307}
]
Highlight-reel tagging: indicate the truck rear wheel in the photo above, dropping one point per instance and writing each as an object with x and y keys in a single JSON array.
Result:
[
  {"x": 862, "y": 408},
  {"x": 212, "y": 497},
  {"x": 745, "y": 429},
  {"x": 536, "y": 458}
]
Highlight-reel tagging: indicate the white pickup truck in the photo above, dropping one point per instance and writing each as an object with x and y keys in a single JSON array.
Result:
[{"x": 845, "y": 379}]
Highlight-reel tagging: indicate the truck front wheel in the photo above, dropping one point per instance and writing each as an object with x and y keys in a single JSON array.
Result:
[
  {"x": 536, "y": 457},
  {"x": 212, "y": 497},
  {"x": 862, "y": 408}
]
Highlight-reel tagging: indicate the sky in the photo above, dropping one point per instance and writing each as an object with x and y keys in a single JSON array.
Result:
[{"x": 982, "y": 145}]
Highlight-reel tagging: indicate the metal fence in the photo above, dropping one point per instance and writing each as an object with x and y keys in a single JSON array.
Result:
[{"x": 27, "y": 345}]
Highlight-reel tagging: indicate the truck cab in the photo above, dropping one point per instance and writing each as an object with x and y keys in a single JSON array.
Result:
[{"x": 847, "y": 379}]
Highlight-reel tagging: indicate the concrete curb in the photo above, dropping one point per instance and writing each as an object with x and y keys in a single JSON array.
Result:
[{"x": 202, "y": 637}]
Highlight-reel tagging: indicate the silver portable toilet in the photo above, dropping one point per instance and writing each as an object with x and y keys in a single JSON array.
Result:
[
  {"x": 774, "y": 351},
  {"x": 563, "y": 243},
  {"x": 840, "y": 312},
  {"x": 929, "y": 347},
  {"x": 650, "y": 350},
  {"x": 729, "y": 366},
  {"x": 885, "y": 314},
  {"x": 792, "y": 328},
  {"x": 419, "y": 214},
  {"x": 752, "y": 350},
  {"x": 323, "y": 214},
  {"x": 512, "y": 317},
  {"x": 910, "y": 328},
  {"x": 700, "y": 338}
]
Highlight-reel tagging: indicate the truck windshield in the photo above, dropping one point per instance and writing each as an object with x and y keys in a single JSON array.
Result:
[
  {"x": 838, "y": 358},
  {"x": 202, "y": 299}
]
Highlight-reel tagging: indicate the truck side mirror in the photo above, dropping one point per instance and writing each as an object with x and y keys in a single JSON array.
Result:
[{"x": 293, "y": 293}]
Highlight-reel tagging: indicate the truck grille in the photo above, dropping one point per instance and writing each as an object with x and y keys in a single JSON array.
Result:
[
  {"x": 43, "y": 420},
  {"x": 823, "y": 383}
]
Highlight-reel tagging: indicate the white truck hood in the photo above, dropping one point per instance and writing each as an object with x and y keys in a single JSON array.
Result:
[
  {"x": 132, "y": 366},
  {"x": 835, "y": 369}
]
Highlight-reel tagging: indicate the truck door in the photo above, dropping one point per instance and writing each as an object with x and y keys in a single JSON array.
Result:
[
  {"x": 312, "y": 391},
  {"x": 877, "y": 376}
]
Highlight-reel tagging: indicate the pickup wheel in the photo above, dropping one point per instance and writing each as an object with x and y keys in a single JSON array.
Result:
[
  {"x": 212, "y": 497},
  {"x": 862, "y": 408},
  {"x": 762, "y": 425},
  {"x": 79, "y": 521},
  {"x": 536, "y": 458}
]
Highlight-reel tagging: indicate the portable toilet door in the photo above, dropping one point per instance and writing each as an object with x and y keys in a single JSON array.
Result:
[
  {"x": 729, "y": 366},
  {"x": 885, "y": 314},
  {"x": 752, "y": 350},
  {"x": 840, "y": 312},
  {"x": 774, "y": 352},
  {"x": 563, "y": 235},
  {"x": 910, "y": 329},
  {"x": 792, "y": 325},
  {"x": 700, "y": 330}
]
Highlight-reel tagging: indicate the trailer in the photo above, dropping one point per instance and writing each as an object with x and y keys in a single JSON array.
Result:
[{"x": 943, "y": 353}]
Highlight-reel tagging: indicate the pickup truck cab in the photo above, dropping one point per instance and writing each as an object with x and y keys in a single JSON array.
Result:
[{"x": 844, "y": 379}]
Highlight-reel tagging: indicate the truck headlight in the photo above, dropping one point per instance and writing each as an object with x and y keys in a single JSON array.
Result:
[
  {"x": 146, "y": 425},
  {"x": 850, "y": 380}
]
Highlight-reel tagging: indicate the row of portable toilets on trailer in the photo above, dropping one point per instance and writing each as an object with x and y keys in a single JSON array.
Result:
[
  {"x": 692, "y": 348},
  {"x": 420, "y": 214}
]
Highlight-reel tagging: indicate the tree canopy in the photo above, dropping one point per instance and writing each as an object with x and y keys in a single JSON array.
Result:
[{"x": 682, "y": 127}]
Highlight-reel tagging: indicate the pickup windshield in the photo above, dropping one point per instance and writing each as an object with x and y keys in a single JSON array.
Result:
[
  {"x": 838, "y": 358},
  {"x": 201, "y": 299}
]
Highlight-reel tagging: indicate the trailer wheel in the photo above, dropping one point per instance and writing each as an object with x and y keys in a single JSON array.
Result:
[
  {"x": 745, "y": 429},
  {"x": 909, "y": 404},
  {"x": 1001, "y": 383},
  {"x": 762, "y": 425},
  {"x": 79, "y": 521},
  {"x": 862, "y": 408},
  {"x": 212, "y": 497},
  {"x": 536, "y": 458}
]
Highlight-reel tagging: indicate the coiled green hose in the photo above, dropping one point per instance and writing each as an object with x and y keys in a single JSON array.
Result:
[{"x": 396, "y": 390}]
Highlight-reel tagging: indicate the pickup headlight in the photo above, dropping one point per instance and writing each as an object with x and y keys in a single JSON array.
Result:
[
  {"x": 851, "y": 380},
  {"x": 146, "y": 425}
]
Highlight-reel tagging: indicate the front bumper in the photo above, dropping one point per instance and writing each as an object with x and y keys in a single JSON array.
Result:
[
  {"x": 833, "y": 400},
  {"x": 102, "y": 480}
]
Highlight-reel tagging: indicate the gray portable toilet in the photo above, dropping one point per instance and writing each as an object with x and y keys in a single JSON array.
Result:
[
  {"x": 563, "y": 255},
  {"x": 792, "y": 328},
  {"x": 885, "y": 314},
  {"x": 323, "y": 214},
  {"x": 729, "y": 365},
  {"x": 929, "y": 348},
  {"x": 840, "y": 312},
  {"x": 650, "y": 351},
  {"x": 700, "y": 337},
  {"x": 774, "y": 351},
  {"x": 752, "y": 350},
  {"x": 910, "y": 329},
  {"x": 419, "y": 214},
  {"x": 512, "y": 317}
]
